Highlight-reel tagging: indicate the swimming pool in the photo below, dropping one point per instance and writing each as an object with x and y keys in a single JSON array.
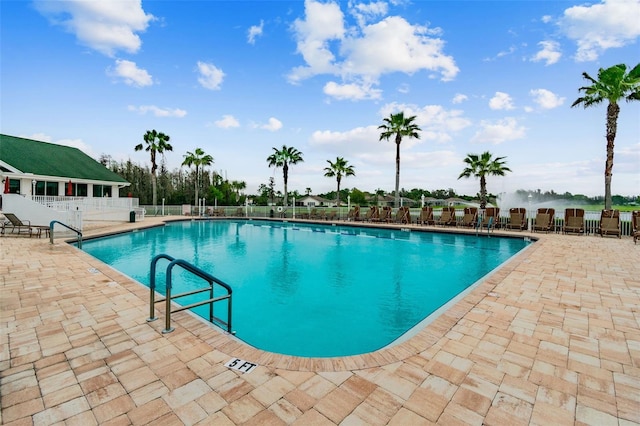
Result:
[{"x": 315, "y": 290}]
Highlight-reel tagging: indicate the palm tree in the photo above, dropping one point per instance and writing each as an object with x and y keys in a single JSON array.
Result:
[
  {"x": 613, "y": 84},
  {"x": 482, "y": 166},
  {"x": 237, "y": 186},
  {"x": 398, "y": 126},
  {"x": 282, "y": 158},
  {"x": 308, "y": 191},
  {"x": 197, "y": 159},
  {"x": 338, "y": 169},
  {"x": 157, "y": 142}
]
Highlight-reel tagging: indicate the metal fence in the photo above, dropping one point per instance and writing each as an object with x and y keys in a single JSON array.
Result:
[{"x": 591, "y": 222}]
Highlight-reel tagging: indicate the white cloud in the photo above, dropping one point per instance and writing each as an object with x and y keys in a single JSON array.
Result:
[
  {"x": 227, "y": 121},
  {"x": 106, "y": 26},
  {"x": 367, "y": 51},
  {"x": 273, "y": 125},
  {"x": 254, "y": 31},
  {"x": 130, "y": 73},
  {"x": 546, "y": 19},
  {"x": 598, "y": 27},
  {"x": 352, "y": 91},
  {"x": 546, "y": 99},
  {"x": 459, "y": 98},
  {"x": 158, "y": 112},
  {"x": 501, "y": 100},
  {"x": 499, "y": 131},
  {"x": 550, "y": 52},
  {"x": 210, "y": 76}
]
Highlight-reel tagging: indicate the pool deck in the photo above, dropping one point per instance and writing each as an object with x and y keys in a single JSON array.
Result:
[{"x": 551, "y": 338}]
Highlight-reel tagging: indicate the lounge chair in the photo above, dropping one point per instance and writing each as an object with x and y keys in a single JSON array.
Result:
[
  {"x": 610, "y": 223},
  {"x": 491, "y": 218},
  {"x": 469, "y": 217},
  {"x": 16, "y": 224},
  {"x": 332, "y": 215},
  {"x": 573, "y": 221},
  {"x": 354, "y": 213},
  {"x": 635, "y": 225},
  {"x": 385, "y": 214},
  {"x": 313, "y": 214},
  {"x": 403, "y": 215},
  {"x": 544, "y": 220},
  {"x": 426, "y": 216},
  {"x": 240, "y": 212},
  {"x": 517, "y": 218},
  {"x": 448, "y": 216}
]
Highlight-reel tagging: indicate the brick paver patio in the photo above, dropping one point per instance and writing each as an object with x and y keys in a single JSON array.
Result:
[{"x": 552, "y": 338}]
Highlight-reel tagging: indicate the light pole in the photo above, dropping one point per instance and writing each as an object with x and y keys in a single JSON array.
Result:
[
  {"x": 530, "y": 212},
  {"x": 33, "y": 189},
  {"x": 348, "y": 205},
  {"x": 163, "y": 207}
]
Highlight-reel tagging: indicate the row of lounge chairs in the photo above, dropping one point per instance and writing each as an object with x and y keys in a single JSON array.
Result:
[{"x": 18, "y": 226}]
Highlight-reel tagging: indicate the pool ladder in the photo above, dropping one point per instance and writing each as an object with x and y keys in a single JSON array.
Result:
[{"x": 213, "y": 281}]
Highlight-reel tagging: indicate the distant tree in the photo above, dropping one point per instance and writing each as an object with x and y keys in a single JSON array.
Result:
[
  {"x": 398, "y": 126},
  {"x": 481, "y": 166},
  {"x": 338, "y": 169},
  {"x": 197, "y": 159},
  {"x": 308, "y": 191},
  {"x": 237, "y": 186},
  {"x": 358, "y": 197},
  {"x": 612, "y": 85},
  {"x": 156, "y": 142},
  {"x": 283, "y": 158}
]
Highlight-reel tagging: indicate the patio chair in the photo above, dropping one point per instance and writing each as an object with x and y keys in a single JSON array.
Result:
[
  {"x": 332, "y": 215},
  {"x": 240, "y": 212},
  {"x": 610, "y": 223},
  {"x": 544, "y": 220},
  {"x": 573, "y": 221},
  {"x": 403, "y": 215},
  {"x": 426, "y": 216},
  {"x": 491, "y": 218},
  {"x": 448, "y": 216},
  {"x": 16, "y": 224},
  {"x": 517, "y": 218},
  {"x": 635, "y": 225},
  {"x": 469, "y": 217},
  {"x": 354, "y": 213},
  {"x": 385, "y": 214}
]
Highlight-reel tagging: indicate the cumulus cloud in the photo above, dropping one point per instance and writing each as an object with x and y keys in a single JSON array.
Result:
[
  {"x": 105, "y": 26},
  {"x": 501, "y": 100},
  {"x": 227, "y": 121},
  {"x": 158, "y": 112},
  {"x": 546, "y": 99},
  {"x": 254, "y": 31},
  {"x": 499, "y": 131},
  {"x": 129, "y": 72},
  {"x": 459, "y": 98},
  {"x": 549, "y": 52},
  {"x": 364, "y": 52},
  {"x": 210, "y": 76},
  {"x": 601, "y": 26},
  {"x": 273, "y": 125},
  {"x": 351, "y": 91}
]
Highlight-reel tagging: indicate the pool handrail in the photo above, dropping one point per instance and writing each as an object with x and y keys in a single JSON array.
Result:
[
  {"x": 79, "y": 233},
  {"x": 168, "y": 297}
]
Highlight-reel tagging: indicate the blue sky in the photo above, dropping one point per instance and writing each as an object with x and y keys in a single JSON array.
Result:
[{"x": 237, "y": 78}]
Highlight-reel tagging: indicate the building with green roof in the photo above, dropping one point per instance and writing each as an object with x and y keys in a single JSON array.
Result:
[
  {"x": 41, "y": 168},
  {"x": 43, "y": 181}
]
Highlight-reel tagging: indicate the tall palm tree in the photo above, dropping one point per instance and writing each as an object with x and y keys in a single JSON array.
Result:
[
  {"x": 338, "y": 169},
  {"x": 156, "y": 142},
  {"x": 482, "y": 166},
  {"x": 398, "y": 126},
  {"x": 282, "y": 158},
  {"x": 197, "y": 159},
  {"x": 612, "y": 85}
]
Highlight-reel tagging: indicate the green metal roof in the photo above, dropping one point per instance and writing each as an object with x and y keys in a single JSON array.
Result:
[{"x": 47, "y": 159}]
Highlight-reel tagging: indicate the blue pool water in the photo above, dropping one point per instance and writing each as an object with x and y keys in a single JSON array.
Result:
[{"x": 314, "y": 290}]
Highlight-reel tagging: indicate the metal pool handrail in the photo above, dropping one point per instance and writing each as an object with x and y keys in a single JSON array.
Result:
[
  {"x": 168, "y": 298},
  {"x": 53, "y": 222}
]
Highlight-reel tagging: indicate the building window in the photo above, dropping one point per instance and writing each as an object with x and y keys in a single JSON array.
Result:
[
  {"x": 46, "y": 188},
  {"x": 101, "y": 191},
  {"x": 77, "y": 189},
  {"x": 14, "y": 186}
]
